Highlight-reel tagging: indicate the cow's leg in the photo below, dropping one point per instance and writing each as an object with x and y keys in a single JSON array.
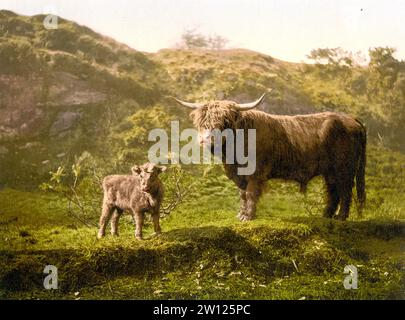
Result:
[
  {"x": 138, "y": 217},
  {"x": 332, "y": 197},
  {"x": 105, "y": 217},
  {"x": 253, "y": 192},
  {"x": 114, "y": 221},
  {"x": 243, "y": 204},
  {"x": 345, "y": 192}
]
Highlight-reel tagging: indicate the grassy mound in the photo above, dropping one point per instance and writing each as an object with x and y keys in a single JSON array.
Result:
[{"x": 304, "y": 259}]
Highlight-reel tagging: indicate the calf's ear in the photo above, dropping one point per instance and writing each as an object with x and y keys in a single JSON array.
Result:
[
  {"x": 162, "y": 169},
  {"x": 136, "y": 169}
]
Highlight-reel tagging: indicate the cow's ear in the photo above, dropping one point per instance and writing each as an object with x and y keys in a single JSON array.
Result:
[{"x": 136, "y": 169}]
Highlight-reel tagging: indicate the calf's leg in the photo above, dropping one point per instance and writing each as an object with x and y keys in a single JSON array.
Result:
[
  {"x": 105, "y": 217},
  {"x": 156, "y": 222},
  {"x": 138, "y": 217},
  {"x": 114, "y": 221}
]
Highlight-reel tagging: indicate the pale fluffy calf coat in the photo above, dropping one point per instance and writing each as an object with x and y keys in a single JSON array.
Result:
[{"x": 138, "y": 193}]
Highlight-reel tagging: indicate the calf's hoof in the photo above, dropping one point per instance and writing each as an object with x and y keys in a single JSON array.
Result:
[
  {"x": 240, "y": 214},
  {"x": 245, "y": 217}
]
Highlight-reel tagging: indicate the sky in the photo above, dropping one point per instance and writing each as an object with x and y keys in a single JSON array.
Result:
[{"x": 284, "y": 29}]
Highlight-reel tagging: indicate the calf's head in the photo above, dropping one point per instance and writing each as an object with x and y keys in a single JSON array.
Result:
[{"x": 148, "y": 174}]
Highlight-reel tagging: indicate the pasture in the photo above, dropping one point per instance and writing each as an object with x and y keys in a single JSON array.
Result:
[{"x": 289, "y": 252}]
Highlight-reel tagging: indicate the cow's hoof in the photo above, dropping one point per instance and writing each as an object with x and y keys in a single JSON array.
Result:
[
  {"x": 100, "y": 235},
  {"x": 114, "y": 234},
  {"x": 138, "y": 238},
  {"x": 328, "y": 215},
  {"x": 340, "y": 217},
  {"x": 157, "y": 234}
]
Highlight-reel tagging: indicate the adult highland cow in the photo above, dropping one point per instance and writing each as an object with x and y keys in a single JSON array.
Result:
[{"x": 296, "y": 148}]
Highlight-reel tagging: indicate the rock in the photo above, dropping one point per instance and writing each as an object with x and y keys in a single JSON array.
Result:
[
  {"x": 64, "y": 121},
  {"x": 30, "y": 145}
]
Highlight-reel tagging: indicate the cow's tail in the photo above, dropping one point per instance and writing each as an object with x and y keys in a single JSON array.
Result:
[{"x": 361, "y": 170}]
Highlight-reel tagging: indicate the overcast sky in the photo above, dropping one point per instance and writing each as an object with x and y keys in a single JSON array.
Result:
[{"x": 285, "y": 29}]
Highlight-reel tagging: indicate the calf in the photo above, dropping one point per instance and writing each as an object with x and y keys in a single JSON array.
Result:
[{"x": 137, "y": 193}]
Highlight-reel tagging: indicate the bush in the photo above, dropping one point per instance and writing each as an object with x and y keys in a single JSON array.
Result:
[
  {"x": 81, "y": 187},
  {"x": 17, "y": 56}
]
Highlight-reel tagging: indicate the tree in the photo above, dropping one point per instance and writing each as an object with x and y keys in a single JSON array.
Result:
[
  {"x": 335, "y": 57},
  {"x": 217, "y": 42},
  {"x": 333, "y": 62},
  {"x": 386, "y": 87},
  {"x": 191, "y": 39},
  {"x": 383, "y": 68},
  {"x": 133, "y": 137}
]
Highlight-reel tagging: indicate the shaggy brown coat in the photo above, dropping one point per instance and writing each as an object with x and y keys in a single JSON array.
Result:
[
  {"x": 137, "y": 193},
  {"x": 296, "y": 148}
]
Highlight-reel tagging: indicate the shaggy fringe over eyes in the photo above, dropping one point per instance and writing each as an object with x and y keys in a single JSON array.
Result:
[{"x": 216, "y": 115}]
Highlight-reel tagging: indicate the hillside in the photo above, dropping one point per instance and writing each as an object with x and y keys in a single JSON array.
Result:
[
  {"x": 238, "y": 74},
  {"x": 65, "y": 91},
  {"x": 57, "y": 87}
]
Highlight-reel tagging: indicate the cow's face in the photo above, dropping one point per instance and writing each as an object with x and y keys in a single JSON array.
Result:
[
  {"x": 218, "y": 115},
  {"x": 149, "y": 174}
]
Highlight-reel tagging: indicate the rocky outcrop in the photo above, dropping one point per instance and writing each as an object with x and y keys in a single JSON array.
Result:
[{"x": 64, "y": 121}]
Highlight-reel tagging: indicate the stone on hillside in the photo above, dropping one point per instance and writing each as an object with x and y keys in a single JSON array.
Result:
[{"x": 64, "y": 122}]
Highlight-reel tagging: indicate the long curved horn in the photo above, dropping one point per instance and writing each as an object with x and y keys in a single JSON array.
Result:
[
  {"x": 188, "y": 104},
  {"x": 251, "y": 105}
]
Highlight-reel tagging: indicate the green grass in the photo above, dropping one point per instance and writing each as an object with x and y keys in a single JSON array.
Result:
[
  {"x": 288, "y": 252},
  {"x": 216, "y": 261}
]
